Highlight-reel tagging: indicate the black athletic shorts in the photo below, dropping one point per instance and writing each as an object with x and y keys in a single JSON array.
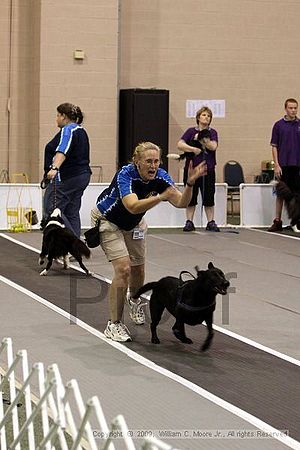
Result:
[
  {"x": 206, "y": 184},
  {"x": 291, "y": 177}
]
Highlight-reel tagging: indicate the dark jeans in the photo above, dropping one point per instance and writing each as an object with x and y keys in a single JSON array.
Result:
[{"x": 68, "y": 199}]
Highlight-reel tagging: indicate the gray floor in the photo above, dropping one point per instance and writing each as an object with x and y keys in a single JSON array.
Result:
[{"x": 264, "y": 271}]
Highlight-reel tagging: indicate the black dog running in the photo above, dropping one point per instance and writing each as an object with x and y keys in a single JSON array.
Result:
[{"x": 191, "y": 302}]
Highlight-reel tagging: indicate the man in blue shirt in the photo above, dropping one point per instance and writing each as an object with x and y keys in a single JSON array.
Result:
[{"x": 134, "y": 190}]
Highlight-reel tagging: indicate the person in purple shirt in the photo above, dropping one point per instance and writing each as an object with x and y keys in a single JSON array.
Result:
[
  {"x": 188, "y": 144},
  {"x": 285, "y": 142}
]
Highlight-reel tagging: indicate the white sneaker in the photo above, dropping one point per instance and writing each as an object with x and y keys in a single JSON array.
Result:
[
  {"x": 136, "y": 312},
  {"x": 117, "y": 331}
]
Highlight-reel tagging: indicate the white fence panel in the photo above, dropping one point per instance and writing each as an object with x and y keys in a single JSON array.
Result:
[
  {"x": 163, "y": 215},
  {"x": 258, "y": 205},
  {"x": 72, "y": 426}
]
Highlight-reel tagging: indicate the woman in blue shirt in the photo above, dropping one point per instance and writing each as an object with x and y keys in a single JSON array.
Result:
[
  {"x": 66, "y": 163},
  {"x": 134, "y": 190}
]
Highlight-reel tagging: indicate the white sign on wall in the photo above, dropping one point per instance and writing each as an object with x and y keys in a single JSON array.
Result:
[{"x": 217, "y": 107}]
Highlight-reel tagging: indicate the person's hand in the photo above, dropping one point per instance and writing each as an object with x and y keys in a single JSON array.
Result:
[
  {"x": 197, "y": 151},
  {"x": 196, "y": 172},
  {"x": 277, "y": 171},
  {"x": 51, "y": 174}
]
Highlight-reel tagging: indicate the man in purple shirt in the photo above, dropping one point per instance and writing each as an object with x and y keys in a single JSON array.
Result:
[
  {"x": 285, "y": 142},
  {"x": 189, "y": 144}
]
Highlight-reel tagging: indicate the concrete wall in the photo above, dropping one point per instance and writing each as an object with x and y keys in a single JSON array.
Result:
[
  {"x": 43, "y": 73},
  {"x": 243, "y": 51}
]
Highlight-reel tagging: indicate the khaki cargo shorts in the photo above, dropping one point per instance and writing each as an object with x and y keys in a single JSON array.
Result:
[{"x": 117, "y": 243}]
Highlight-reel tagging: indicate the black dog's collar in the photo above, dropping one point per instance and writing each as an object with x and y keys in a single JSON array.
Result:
[{"x": 182, "y": 305}]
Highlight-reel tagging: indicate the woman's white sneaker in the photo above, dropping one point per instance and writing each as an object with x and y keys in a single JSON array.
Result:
[{"x": 117, "y": 331}]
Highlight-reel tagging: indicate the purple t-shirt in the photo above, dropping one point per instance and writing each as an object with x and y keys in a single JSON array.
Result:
[
  {"x": 286, "y": 137},
  {"x": 208, "y": 156}
]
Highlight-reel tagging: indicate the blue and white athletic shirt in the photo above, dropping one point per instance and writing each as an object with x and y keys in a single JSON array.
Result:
[
  {"x": 128, "y": 181},
  {"x": 74, "y": 144}
]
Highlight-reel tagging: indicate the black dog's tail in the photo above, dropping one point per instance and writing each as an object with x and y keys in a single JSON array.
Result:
[
  {"x": 283, "y": 191},
  {"x": 82, "y": 248},
  {"x": 147, "y": 287}
]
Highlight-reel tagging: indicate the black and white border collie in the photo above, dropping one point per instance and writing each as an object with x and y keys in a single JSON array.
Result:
[{"x": 59, "y": 242}]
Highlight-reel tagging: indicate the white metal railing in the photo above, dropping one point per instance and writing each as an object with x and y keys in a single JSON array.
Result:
[{"x": 63, "y": 415}]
